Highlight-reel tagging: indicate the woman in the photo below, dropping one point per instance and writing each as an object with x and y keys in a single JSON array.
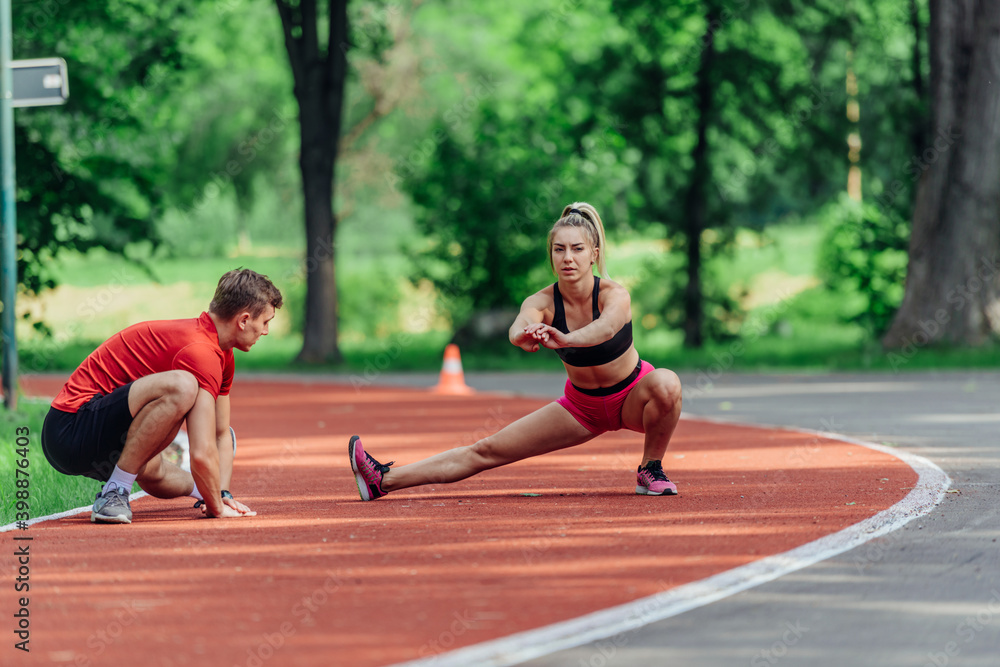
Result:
[{"x": 588, "y": 322}]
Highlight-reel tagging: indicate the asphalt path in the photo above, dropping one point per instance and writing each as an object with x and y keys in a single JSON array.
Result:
[{"x": 925, "y": 595}]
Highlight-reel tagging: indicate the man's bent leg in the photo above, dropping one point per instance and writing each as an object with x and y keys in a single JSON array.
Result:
[
  {"x": 161, "y": 478},
  {"x": 158, "y": 404}
]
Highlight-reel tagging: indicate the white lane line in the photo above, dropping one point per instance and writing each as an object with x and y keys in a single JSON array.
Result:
[
  {"x": 514, "y": 649},
  {"x": 62, "y": 515}
]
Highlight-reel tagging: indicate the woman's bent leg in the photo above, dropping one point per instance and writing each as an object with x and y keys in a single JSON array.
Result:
[{"x": 653, "y": 407}]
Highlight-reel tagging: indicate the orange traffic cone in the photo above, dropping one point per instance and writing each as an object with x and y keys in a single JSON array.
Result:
[{"x": 452, "y": 379}]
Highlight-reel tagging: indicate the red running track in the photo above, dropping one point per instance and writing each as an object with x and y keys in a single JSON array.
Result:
[{"x": 320, "y": 578}]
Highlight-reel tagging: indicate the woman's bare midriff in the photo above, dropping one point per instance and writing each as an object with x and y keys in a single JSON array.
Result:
[{"x": 605, "y": 375}]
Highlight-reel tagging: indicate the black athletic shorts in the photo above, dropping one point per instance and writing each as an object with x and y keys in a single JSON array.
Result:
[{"x": 88, "y": 442}]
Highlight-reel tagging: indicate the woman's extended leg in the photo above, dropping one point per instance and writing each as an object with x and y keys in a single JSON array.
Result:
[
  {"x": 653, "y": 407},
  {"x": 546, "y": 430}
]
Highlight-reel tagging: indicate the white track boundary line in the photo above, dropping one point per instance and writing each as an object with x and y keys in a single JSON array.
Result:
[
  {"x": 63, "y": 515},
  {"x": 514, "y": 649}
]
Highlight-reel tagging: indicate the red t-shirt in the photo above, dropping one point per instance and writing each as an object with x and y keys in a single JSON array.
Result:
[{"x": 151, "y": 347}]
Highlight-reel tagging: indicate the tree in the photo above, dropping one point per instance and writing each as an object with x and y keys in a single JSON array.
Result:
[
  {"x": 485, "y": 204},
  {"x": 319, "y": 73},
  {"x": 88, "y": 172},
  {"x": 953, "y": 277},
  {"x": 234, "y": 126},
  {"x": 494, "y": 170},
  {"x": 718, "y": 92},
  {"x": 688, "y": 116},
  {"x": 694, "y": 206}
]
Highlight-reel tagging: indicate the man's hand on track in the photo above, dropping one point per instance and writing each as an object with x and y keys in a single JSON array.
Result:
[{"x": 231, "y": 508}]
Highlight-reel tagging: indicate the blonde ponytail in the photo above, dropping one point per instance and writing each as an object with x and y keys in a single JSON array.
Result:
[{"x": 585, "y": 217}]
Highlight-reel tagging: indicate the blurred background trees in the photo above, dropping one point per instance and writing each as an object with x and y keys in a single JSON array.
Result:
[
  {"x": 707, "y": 132},
  {"x": 95, "y": 173}
]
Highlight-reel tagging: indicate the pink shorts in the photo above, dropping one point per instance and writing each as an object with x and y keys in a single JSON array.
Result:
[{"x": 600, "y": 410}]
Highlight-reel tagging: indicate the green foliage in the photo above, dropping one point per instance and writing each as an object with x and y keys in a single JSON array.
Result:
[
  {"x": 176, "y": 109},
  {"x": 366, "y": 299},
  {"x": 794, "y": 330},
  {"x": 236, "y": 124},
  {"x": 89, "y": 173},
  {"x": 180, "y": 138},
  {"x": 659, "y": 290},
  {"x": 486, "y": 205},
  {"x": 365, "y": 303},
  {"x": 219, "y": 225},
  {"x": 615, "y": 118},
  {"x": 863, "y": 257},
  {"x": 893, "y": 95}
]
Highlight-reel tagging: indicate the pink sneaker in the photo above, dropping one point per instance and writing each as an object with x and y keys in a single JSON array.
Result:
[
  {"x": 367, "y": 471},
  {"x": 651, "y": 481}
]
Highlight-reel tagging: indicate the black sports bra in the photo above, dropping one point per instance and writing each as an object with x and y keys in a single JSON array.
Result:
[{"x": 595, "y": 355}]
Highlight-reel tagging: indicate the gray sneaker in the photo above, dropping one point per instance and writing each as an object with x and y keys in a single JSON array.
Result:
[{"x": 112, "y": 507}]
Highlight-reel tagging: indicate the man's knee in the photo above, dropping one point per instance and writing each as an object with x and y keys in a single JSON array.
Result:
[
  {"x": 178, "y": 389},
  {"x": 182, "y": 386},
  {"x": 172, "y": 391}
]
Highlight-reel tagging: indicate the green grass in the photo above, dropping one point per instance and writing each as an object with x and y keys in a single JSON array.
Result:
[
  {"x": 50, "y": 491},
  {"x": 99, "y": 268},
  {"x": 788, "y": 248}
]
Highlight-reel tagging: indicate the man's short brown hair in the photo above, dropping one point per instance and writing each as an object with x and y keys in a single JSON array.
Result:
[{"x": 242, "y": 290}]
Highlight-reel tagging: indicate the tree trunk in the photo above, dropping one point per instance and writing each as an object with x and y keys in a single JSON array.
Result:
[
  {"x": 319, "y": 88},
  {"x": 919, "y": 133},
  {"x": 319, "y": 335},
  {"x": 244, "y": 244},
  {"x": 953, "y": 277},
  {"x": 694, "y": 200}
]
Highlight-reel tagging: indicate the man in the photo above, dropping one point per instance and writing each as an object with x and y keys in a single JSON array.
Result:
[{"x": 126, "y": 402}]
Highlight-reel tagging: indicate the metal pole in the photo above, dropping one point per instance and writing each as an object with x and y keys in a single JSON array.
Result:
[{"x": 8, "y": 214}]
